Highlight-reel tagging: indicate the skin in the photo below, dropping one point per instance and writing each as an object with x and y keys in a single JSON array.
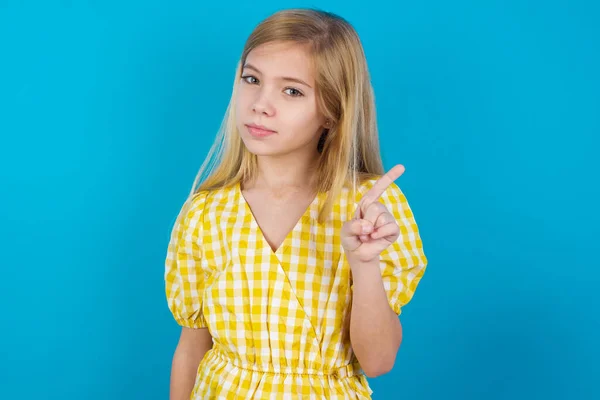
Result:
[
  {"x": 375, "y": 329},
  {"x": 265, "y": 97},
  {"x": 192, "y": 345}
]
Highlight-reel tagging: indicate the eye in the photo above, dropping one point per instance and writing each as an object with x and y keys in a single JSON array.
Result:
[
  {"x": 250, "y": 79},
  {"x": 293, "y": 92}
]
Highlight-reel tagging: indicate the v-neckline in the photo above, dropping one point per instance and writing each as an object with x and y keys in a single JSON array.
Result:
[{"x": 284, "y": 244}]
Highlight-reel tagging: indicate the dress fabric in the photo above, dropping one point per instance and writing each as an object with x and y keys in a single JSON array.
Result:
[{"x": 279, "y": 319}]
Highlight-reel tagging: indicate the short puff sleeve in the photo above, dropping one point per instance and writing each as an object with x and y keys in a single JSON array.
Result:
[
  {"x": 184, "y": 276},
  {"x": 403, "y": 262}
]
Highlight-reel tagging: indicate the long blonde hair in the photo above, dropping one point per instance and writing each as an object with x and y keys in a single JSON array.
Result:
[{"x": 350, "y": 149}]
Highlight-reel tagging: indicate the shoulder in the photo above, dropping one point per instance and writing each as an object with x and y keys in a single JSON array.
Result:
[
  {"x": 393, "y": 198},
  {"x": 391, "y": 193},
  {"x": 194, "y": 205},
  {"x": 207, "y": 202},
  {"x": 192, "y": 211}
]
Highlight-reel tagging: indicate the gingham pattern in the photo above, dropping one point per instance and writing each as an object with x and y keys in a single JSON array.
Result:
[{"x": 279, "y": 320}]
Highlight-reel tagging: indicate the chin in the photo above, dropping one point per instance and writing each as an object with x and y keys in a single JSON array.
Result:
[{"x": 259, "y": 148}]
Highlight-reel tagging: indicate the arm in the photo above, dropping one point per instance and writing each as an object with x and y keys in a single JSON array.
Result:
[
  {"x": 386, "y": 268},
  {"x": 184, "y": 284},
  {"x": 375, "y": 329},
  {"x": 193, "y": 344}
]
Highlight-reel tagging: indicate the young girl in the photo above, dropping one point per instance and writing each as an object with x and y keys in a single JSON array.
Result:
[{"x": 289, "y": 265}]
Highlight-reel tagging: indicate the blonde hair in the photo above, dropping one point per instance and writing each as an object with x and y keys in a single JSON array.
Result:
[{"x": 350, "y": 148}]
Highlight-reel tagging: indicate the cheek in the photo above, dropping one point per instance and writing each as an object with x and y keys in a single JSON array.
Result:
[
  {"x": 302, "y": 118},
  {"x": 241, "y": 105}
]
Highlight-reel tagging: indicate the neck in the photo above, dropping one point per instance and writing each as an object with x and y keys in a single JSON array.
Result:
[{"x": 285, "y": 172}]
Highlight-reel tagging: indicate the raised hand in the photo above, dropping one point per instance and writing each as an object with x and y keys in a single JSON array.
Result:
[{"x": 373, "y": 227}]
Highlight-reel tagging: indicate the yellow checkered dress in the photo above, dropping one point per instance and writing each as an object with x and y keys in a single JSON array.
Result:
[{"x": 279, "y": 319}]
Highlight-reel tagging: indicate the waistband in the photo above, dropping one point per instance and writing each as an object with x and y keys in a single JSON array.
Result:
[{"x": 339, "y": 372}]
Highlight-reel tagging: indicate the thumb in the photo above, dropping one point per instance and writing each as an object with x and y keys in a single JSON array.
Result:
[{"x": 357, "y": 227}]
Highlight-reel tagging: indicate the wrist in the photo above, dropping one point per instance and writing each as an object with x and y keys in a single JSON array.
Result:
[
  {"x": 366, "y": 276},
  {"x": 355, "y": 262}
]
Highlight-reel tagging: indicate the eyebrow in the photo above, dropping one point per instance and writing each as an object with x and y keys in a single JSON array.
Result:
[{"x": 285, "y": 78}]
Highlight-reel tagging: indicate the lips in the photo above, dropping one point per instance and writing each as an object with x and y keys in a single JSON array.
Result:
[{"x": 259, "y": 130}]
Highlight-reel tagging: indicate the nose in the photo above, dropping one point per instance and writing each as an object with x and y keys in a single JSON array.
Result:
[{"x": 262, "y": 105}]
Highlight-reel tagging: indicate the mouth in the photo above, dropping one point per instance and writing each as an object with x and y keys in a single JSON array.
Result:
[{"x": 259, "y": 130}]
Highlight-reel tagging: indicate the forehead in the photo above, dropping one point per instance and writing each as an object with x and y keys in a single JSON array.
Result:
[{"x": 283, "y": 59}]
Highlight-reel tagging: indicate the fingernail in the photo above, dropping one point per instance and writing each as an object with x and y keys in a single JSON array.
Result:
[{"x": 366, "y": 229}]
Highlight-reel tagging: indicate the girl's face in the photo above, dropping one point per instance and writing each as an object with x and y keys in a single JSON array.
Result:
[{"x": 276, "y": 111}]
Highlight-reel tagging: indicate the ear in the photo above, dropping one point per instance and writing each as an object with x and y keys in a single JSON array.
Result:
[{"x": 328, "y": 124}]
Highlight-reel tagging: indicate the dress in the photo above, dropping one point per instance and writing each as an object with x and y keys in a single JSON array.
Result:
[{"x": 279, "y": 319}]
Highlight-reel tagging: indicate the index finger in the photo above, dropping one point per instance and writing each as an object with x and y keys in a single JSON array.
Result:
[{"x": 381, "y": 185}]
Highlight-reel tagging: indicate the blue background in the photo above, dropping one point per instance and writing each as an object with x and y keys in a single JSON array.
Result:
[{"x": 107, "y": 109}]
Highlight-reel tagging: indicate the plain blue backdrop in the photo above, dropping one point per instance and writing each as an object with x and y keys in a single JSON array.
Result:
[{"x": 108, "y": 108}]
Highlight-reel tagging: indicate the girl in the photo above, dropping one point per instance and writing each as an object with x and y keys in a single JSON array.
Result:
[{"x": 289, "y": 265}]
